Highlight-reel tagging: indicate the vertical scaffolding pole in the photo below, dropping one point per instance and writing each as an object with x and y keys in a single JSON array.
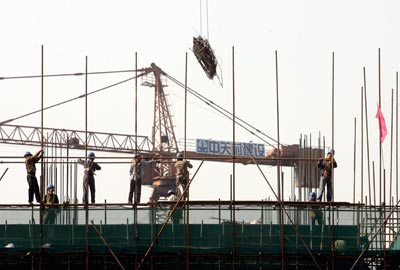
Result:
[
  {"x": 367, "y": 138},
  {"x": 41, "y": 162},
  {"x": 280, "y": 193},
  {"x": 354, "y": 161},
  {"x": 86, "y": 144},
  {"x": 184, "y": 152},
  {"x": 397, "y": 136},
  {"x": 333, "y": 147},
  {"x": 380, "y": 144},
  {"x": 384, "y": 235},
  {"x": 373, "y": 182},
  {"x": 391, "y": 150},
  {"x": 69, "y": 187},
  {"x": 234, "y": 161},
  {"x": 362, "y": 148},
  {"x": 136, "y": 126}
]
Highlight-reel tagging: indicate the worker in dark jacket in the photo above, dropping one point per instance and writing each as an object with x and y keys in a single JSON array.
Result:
[
  {"x": 51, "y": 202},
  {"x": 182, "y": 173},
  {"x": 136, "y": 174},
  {"x": 326, "y": 166},
  {"x": 30, "y": 161},
  {"x": 88, "y": 179}
]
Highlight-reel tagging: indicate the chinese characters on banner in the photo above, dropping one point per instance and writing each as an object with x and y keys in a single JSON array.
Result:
[{"x": 225, "y": 148}]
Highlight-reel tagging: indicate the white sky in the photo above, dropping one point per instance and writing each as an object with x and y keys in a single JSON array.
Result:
[{"x": 305, "y": 34}]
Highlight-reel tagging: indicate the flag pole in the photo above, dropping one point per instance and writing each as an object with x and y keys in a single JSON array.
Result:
[{"x": 380, "y": 140}]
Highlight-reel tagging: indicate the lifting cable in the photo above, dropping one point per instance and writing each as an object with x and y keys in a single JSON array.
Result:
[
  {"x": 225, "y": 112},
  {"x": 74, "y": 74},
  {"x": 72, "y": 99},
  {"x": 144, "y": 71},
  {"x": 203, "y": 51}
]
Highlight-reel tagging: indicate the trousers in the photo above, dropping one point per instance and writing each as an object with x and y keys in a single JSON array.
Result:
[
  {"x": 132, "y": 189},
  {"x": 325, "y": 181},
  {"x": 88, "y": 182},
  {"x": 33, "y": 188}
]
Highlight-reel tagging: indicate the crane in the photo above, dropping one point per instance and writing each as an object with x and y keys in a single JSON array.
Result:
[{"x": 161, "y": 147}]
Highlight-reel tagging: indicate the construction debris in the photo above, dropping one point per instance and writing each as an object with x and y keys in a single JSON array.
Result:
[{"x": 205, "y": 55}]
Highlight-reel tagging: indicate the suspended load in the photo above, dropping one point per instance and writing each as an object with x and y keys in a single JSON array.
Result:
[{"x": 205, "y": 55}]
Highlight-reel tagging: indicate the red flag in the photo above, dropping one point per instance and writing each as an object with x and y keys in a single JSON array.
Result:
[{"x": 382, "y": 124}]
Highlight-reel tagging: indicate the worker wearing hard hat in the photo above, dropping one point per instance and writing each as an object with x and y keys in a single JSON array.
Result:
[
  {"x": 315, "y": 211},
  {"x": 136, "y": 174},
  {"x": 182, "y": 173},
  {"x": 30, "y": 161},
  {"x": 326, "y": 166},
  {"x": 88, "y": 179},
  {"x": 51, "y": 202}
]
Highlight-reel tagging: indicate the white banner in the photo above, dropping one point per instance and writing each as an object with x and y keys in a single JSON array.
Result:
[{"x": 225, "y": 148}]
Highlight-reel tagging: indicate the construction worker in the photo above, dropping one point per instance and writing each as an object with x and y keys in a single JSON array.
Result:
[
  {"x": 182, "y": 173},
  {"x": 51, "y": 210},
  {"x": 315, "y": 211},
  {"x": 177, "y": 214},
  {"x": 30, "y": 161},
  {"x": 88, "y": 179},
  {"x": 136, "y": 174},
  {"x": 326, "y": 165}
]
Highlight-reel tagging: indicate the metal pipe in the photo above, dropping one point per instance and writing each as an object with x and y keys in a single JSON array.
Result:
[
  {"x": 135, "y": 214},
  {"x": 167, "y": 219},
  {"x": 4, "y": 173},
  {"x": 41, "y": 163},
  {"x": 233, "y": 157},
  {"x": 354, "y": 161},
  {"x": 380, "y": 143},
  {"x": 280, "y": 193},
  {"x": 107, "y": 245},
  {"x": 397, "y": 136},
  {"x": 373, "y": 181},
  {"x": 184, "y": 154},
  {"x": 391, "y": 150},
  {"x": 375, "y": 234},
  {"x": 384, "y": 214},
  {"x": 127, "y": 230},
  {"x": 105, "y": 212},
  {"x": 367, "y": 137},
  {"x": 333, "y": 147},
  {"x": 69, "y": 187},
  {"x": 75, "y": 183},
  {"x": 86, "y": 195},
  {"x": 220, "y": 231},
  {"x": 362, "y": 147},
  {"x": 288, "y": 216}
]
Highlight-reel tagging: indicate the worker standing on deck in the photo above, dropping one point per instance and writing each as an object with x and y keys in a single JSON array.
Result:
[
  {"x": 51, "y": 210},
  {"x": 326, "y": 166},
  {"x": 30, "y": 161},
  {"x": 88, "y": 179},
  {"x": 182, "y": 173},
  {"x": 315, "y": 211},
  {"x": 136, "y": 174},
  {"x": 177, "y": 214}
]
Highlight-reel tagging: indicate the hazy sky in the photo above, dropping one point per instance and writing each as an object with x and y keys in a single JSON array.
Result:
[{"x": 304, "y": 33}]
